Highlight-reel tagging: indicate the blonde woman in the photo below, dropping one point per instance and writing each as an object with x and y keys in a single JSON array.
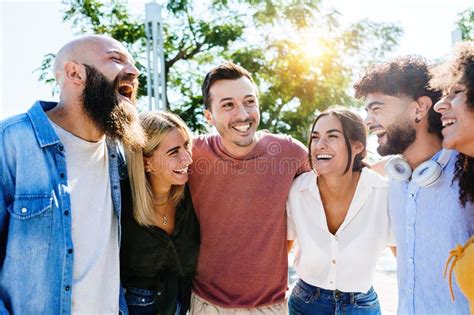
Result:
[{"x": 160, "y": 232}]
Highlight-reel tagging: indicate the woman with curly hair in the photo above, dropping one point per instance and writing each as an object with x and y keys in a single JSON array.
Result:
[{"x": 456, "y": 78}]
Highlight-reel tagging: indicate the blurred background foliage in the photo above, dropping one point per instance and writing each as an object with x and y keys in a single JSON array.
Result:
[
  {"x": 466, "y": 24},
  {"x": 302, "y": 58}
]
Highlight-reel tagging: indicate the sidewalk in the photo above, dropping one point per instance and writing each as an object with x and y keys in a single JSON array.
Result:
[{"x": 385, "y": 283}]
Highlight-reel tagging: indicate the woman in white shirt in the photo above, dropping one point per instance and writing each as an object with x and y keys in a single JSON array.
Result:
[{"x": 338, "y": 215}]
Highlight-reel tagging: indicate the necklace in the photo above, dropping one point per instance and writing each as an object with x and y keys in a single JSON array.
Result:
[
  {"x": 164, "y": 216},
  {"x": 164, "y": 219}
]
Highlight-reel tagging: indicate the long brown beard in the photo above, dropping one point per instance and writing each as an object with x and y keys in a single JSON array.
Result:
[{"x": 116, "y": 118}]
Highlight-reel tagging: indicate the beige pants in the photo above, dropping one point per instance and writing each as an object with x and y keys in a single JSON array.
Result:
[{"x": 199, "y": 306}]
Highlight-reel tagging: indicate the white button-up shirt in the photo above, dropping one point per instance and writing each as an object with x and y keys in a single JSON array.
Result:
[{"x": 344, "y": 261}]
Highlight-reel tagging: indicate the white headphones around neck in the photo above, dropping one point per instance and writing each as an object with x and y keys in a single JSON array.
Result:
[{"x": 426, "y": 174}]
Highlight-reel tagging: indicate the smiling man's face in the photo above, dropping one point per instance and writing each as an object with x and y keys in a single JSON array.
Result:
[
  {"x": 234, "y": 112},
  {"x": 110, "y": 89},
  {"x": 391, "y": 119}
]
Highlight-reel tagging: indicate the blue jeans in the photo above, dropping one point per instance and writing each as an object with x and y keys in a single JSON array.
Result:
[
  {"x": 308, "y": 300},
  {"x": 141, "y": 301}
]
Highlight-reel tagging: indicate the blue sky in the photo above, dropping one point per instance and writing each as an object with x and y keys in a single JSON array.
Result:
[{"x": 31, "y": 29}]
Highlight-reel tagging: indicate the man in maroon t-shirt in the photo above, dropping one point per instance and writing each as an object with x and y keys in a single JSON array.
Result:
[{"x": 239, "y": 184}]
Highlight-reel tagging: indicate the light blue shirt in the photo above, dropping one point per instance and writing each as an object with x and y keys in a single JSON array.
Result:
[
  {"x": 36, "y": 248},
  {"x": 428, "y": 222}
]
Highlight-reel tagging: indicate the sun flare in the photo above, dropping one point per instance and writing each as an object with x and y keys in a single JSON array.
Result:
[{"x": 312, "y": 48}]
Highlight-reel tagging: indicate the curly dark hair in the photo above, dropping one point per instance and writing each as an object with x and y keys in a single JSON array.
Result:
[
  {"x": 460, "y": 69},
  {"x": 353, "y": 129},
  {"x": 404, "y": 76},
  {"x": 464, "y": 174}
]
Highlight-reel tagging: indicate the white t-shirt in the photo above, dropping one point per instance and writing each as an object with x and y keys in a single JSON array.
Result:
[
  {"x": 96, "y": 273},
  {"x": 344, "y": 261}
]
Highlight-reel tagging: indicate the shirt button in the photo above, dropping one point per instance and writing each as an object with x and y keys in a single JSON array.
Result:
[
  {"x": 412, "y": 195},
  {"x": 67, "y": 288},
  {"x": 410, "y": 259},
  {"x": 331, "y": 282},
  {"x": 62, "y": 175},
  {"x": 24, "y": 210},
  {"x": 333, "y": 261},
  {"x": 69, "y": 251},
  {"x": 60, "y": 148},
  {"x": 66, "y": 213},
  {"x": 115, "y": 187},
  {"x": 143, "y": 300},
  {"x": 112, "y": 156},
  {"x": 159, "y": 293}
]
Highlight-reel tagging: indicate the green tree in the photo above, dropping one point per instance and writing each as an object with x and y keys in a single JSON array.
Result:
[
  {"x": 466, "y": 24},
  {"x": 301, "y": 57}
]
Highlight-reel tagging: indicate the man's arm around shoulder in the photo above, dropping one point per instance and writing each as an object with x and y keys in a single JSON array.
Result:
[{"x": 302, "y": 153}]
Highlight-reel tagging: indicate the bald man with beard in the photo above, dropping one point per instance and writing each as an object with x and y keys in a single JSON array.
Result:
[{"x": 60, "y": 194}]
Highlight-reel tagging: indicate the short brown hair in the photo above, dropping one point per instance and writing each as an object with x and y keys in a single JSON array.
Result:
[
  {"x": 225, "y": 71},
  {"x": 353, "y": 129}
]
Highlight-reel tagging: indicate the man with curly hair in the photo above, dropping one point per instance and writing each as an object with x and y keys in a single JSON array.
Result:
[
  {"x": 427, "y": 219},
  {"x": 455, "y": 78}
]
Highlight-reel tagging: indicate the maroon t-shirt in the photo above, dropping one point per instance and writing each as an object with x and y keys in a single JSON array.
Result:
[{"x": 240, "y": 204}]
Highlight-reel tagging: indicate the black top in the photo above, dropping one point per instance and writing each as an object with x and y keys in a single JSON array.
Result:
[{"x": 151, "y": 259}]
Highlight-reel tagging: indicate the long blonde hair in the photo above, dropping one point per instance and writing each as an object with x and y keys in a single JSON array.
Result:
[{"x": 156, "y": 126}]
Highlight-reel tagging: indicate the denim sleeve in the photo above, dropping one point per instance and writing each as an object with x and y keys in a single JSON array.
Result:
[
  {"x": 3, "y": 309},
  {"x": 3, "y": 232},
  {"x": 3, "y": 220},
  {"x": 4, "y": 200}
]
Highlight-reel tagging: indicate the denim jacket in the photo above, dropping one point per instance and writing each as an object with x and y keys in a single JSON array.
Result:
[{"x": 36, "y": 249}]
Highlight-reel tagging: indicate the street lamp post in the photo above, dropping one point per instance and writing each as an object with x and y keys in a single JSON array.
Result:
[{"x": 156, "y": 83}]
